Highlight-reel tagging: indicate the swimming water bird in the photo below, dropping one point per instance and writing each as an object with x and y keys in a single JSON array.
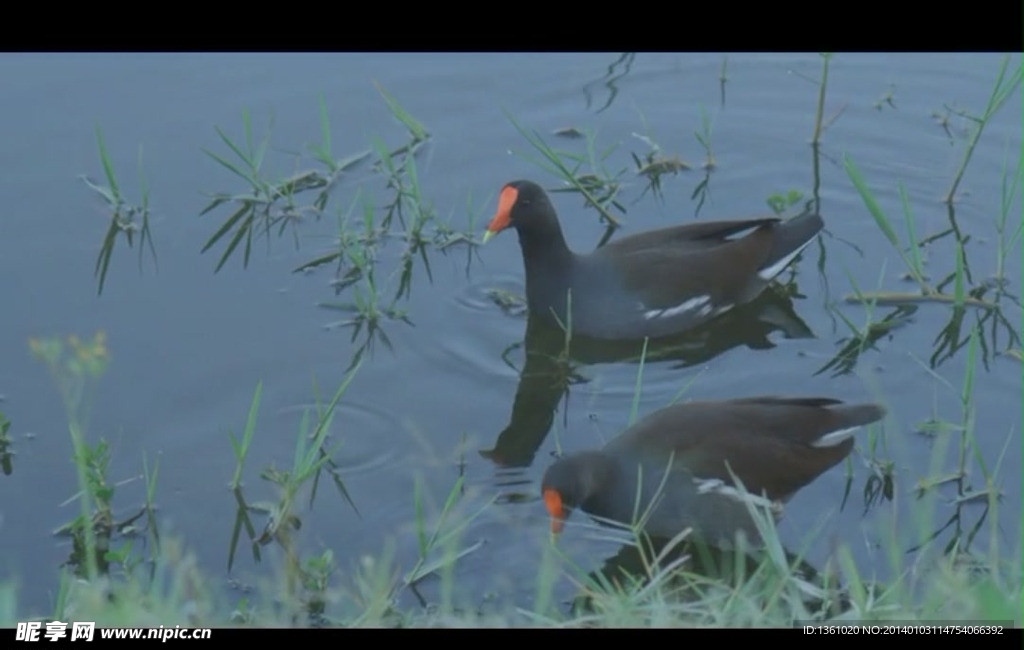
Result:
[
  {"x": 685, "y": 459},
  {"x": 650, "y": 284}
]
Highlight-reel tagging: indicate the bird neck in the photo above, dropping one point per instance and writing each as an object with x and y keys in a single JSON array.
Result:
[
  {"x": 548, "y": 263},
  {"x": 544, "y": 244},
  {"x": 596, "y": 471}
]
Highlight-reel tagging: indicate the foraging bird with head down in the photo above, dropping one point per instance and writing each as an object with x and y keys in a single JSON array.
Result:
[{"x": 685, "y": 460}]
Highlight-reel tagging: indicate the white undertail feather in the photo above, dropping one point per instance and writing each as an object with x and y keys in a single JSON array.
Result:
[
  {"x": 834, "y": 438},
  {"x": 770, "y": 272}
]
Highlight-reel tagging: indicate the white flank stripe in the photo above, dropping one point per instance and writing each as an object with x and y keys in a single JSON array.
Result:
[
  {"x": 834, "y": 438},
  {"x": 689, "y": 305},
  {"x": 773, "y": 270},
  {"x": 740, "y": 234},
  {"x": 724, "y": 308},
  {"x": 717, "y": 486}
]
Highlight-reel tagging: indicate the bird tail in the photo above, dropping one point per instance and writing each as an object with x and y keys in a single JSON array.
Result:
[
  {"x": 849, "y": 418},
  {"x": 791, "y": 237}
]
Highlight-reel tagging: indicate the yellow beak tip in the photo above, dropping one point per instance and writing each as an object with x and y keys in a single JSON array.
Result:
[{"x": 488, "y": 234}]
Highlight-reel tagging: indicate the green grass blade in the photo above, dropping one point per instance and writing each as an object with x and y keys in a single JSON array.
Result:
[
  {"x": 243, "y": 230},
  {"x": 226, "y": 226},
  {"x": 106, "y": 253},
  {"x": 421, "y": 526},
  {"x": 104, "y": 192},
  {"x": 415, "y": 127},
  {"x": 108, "y": 167},
  {"x": 967, "y": 393},
  {"x": 917, "y": 265},
  {"x": 235, "y": 148},
  {"x": 242, "y": 448},
  {"x": 958, "y": 286},
  {"x": 325, "y": 128},
  {"x": 869, "y": 200},
  {"x": 233, "y": 169},
  {"x": 427, "y": 568},
  {"x": 638, "y": 385}
]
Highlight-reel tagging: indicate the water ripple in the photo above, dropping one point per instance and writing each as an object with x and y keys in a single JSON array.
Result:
[{"x": 370, "y": 437}]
